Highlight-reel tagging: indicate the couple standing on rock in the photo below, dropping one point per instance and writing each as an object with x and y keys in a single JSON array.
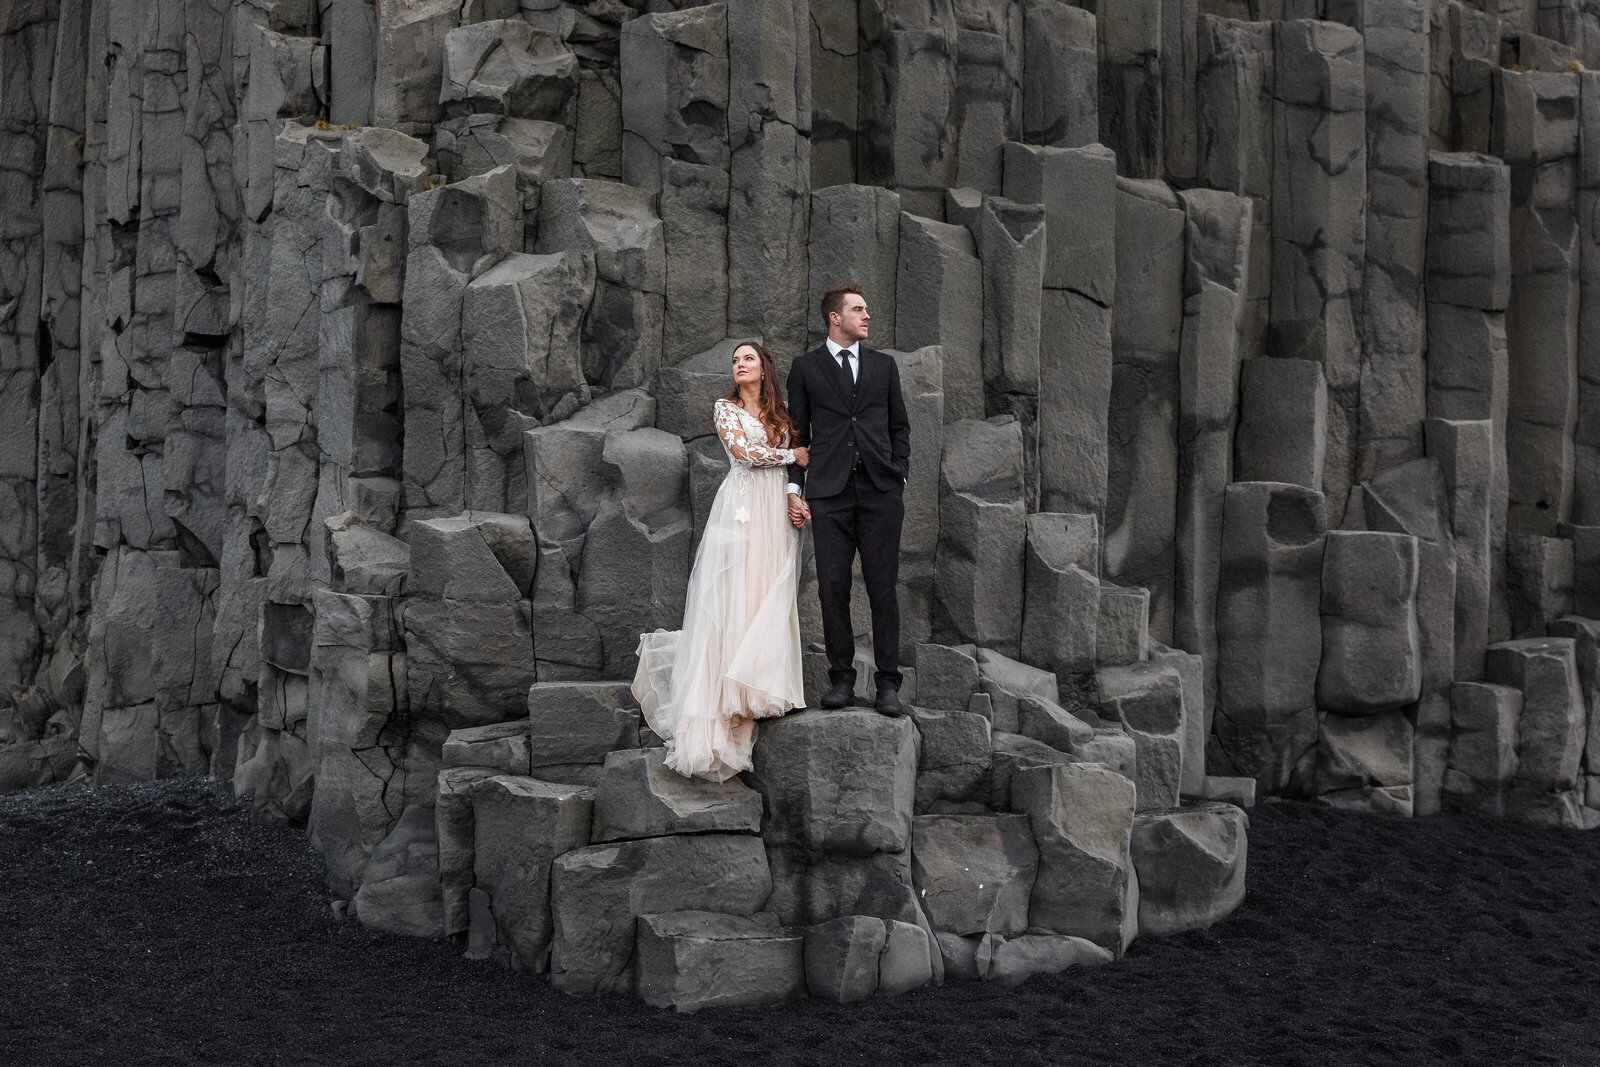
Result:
[{"x": 846, "y": 442}]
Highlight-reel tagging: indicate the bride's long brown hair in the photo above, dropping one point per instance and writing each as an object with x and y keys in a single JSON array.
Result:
[{"x": 773, "y": 412}]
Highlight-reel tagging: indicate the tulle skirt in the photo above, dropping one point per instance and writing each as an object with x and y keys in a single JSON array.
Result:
[{"x": 737, "y": 658}]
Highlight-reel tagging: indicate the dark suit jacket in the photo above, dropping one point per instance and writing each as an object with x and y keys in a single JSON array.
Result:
[{"x": 835, "y": 428}]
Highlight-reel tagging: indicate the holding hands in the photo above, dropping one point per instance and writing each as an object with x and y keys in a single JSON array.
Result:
[{"x": 799, "y": 513}]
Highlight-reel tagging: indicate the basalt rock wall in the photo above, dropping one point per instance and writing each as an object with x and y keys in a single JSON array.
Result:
[{"x": 356, "y": 362}]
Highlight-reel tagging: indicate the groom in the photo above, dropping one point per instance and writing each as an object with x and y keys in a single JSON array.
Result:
[{"x": 847, "y": 408}]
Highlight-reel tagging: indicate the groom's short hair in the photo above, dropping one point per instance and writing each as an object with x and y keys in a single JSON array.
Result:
[{"x": 833, "y": 299}]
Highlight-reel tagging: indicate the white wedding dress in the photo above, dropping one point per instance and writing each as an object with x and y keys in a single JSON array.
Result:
[{"x": 737, "y": 658}]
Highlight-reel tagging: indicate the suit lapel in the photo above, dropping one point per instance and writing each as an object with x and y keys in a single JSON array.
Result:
[{"x": 829, "y": 368}]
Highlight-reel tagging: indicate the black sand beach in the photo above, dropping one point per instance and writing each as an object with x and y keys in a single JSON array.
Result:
[{"x": 153, "y": 924}]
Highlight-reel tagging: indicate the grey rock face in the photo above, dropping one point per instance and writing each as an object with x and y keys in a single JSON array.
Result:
[
  {"x": 953, "y": 757},
  {"x": 690, "y": 960},
  {"x": 639, "y": 797},
  {"x": 1550, "y": 730},
  {"x": 1147, "y": 699},
  {"x": 1007, "y": 683},
  {"x": 1082, "y": 819},
  {"x": 1283, "y": 418},
  {"x": 855, "y": 237},
  {"x": 939, "y": 301},
  {"x": 1483, "y": 747},
  {"x": 580, "y": 722},
  {"x": 1371, "y": 660},
  {"x": 982, "y": 532},
  {"x": 1191, "y": 866},
  {"x": 974, "y": 873},
  {"x": 841, "y": 958},
  {"x": 1272, "y": 552},
  {"x": 1061, "y": 593},
  {"x": 400, "y": 886},
  {"x": 910, "y": 958},
  {"x": 840, "y": 782},
  {"x": 597, "y": 891},
  {"x": 1367, "y": 763},
  {"x": 520, "y": 826}
]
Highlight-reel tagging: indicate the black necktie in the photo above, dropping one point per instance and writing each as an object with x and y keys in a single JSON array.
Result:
[{"x": 844, "y": 369}]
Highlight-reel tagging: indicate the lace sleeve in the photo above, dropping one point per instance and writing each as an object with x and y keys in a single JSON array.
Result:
[{"x": 731, "y": 429}]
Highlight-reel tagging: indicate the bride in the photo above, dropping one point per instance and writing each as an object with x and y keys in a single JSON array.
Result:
[{"x": 737, "y": 658}]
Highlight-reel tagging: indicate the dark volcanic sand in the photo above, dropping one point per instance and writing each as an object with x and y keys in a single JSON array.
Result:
[{"x": 154, "y": 924}]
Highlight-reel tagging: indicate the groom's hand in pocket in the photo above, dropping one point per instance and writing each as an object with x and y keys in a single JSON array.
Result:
[{"x": 799, "y": 513}]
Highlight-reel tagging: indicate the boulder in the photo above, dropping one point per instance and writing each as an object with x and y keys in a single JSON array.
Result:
[
  {"x": 520, "y": 825},
  {"x": 638, "y": 796},
  {"x": 1007, "y": 682},
  {"x": 974, "y": 873},
  {"x": 838, "y": 782},
  {"x": 841, "y": 958},
  {"x": 1191, "y": 866},
  {"x": 907, "y": 961},
  {"x": 690, "y": 960},
  {"x": 596, "y": 893},
  {"x": 1015, "y": 960}
]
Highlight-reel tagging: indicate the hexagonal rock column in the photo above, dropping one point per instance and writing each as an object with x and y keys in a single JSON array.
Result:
[
  {"x": 1147, "y": 698},
  {"x": 982, "y": 533},
  {"x": 690, "y": 960},
  {"x": 618, "y": 223},
  {"x": 839, "y": 790},
  {"x": 1082, "y": 819},
  {"x": 1061, "y": 593},
  {"x": 1368, "y": 763},
  {"x": 400, "y": 891},
  {"x": 638, "y": 796},
  {"x": 469, "y": 637},
  {"x": 953, "y": 759},
  {"x": 1191, "y": 865},
  {"x": 357, "y": 733},
  {"x": 1319, "y": 221},
  {"x": 1483, "y": 747},
  {"x": 1370, "y": 656},
  {"x": 597, "y": 892},
  {"x": 520, "y": 826},
  {"x": 1008, "y": 683},
  {"x": 1550, "y": 731},
  {"x": 675, "y": 101},
  {"x": 1269, "y": 633},
  {"x": 974, "y": 874}
]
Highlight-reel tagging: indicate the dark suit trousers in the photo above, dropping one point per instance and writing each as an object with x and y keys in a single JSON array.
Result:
[{"x": 865, "y": 519}]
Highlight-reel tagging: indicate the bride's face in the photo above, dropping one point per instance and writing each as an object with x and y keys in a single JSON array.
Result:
[{"x": 746, "y": 366}]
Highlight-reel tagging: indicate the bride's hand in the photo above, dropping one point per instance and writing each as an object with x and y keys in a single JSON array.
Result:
[{"x": 802, "y": 456}]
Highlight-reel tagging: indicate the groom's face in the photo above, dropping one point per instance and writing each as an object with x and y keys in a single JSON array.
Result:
[{"x": 853, "y": 317}]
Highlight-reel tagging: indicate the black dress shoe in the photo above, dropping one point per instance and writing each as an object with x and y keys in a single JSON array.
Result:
[
  {"x": 839, "y": 695},
  {"x": 888, "y": 703}
]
